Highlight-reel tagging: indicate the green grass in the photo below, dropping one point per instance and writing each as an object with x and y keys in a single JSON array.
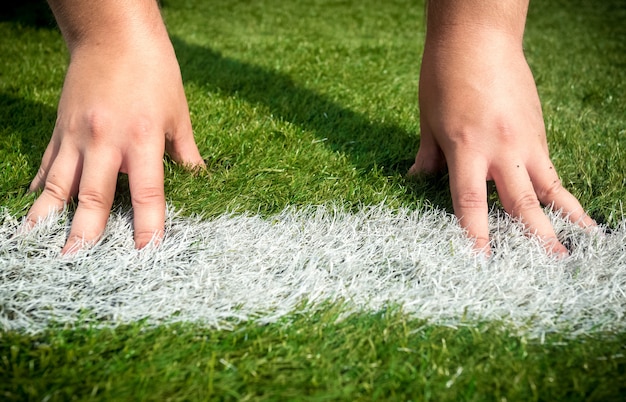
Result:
[
  {"x": 312, "y": 356},
  {"x": 315, "y": 102}
]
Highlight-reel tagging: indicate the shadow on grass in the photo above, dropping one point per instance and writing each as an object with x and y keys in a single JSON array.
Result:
[
  {"x": 34, "y": 13},
  {"x": 30, "y": 122},
  {"x": 24, "y": 132},
  {"x": 365, "y": 143}
]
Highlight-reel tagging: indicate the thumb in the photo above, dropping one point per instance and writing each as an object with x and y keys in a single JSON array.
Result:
[
  {"x": 181, "y": 146},
  {"x": 429, "y": 158}
]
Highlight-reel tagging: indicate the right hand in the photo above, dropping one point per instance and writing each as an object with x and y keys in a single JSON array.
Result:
[{"x": 481, "y": 116}]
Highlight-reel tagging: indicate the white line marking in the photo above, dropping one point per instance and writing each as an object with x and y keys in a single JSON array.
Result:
[{"x": 232, "y": 268}]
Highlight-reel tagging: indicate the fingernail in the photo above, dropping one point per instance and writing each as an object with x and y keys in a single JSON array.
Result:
[
  {"x": 554, "y": 247},
  {"x": 76, "y": 243},
  {"x": 155, "y": 239},
  {"x": 482, "y": 246}
]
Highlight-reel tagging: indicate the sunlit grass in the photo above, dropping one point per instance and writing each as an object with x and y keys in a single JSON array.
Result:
[{"x": 315, "y": 102}]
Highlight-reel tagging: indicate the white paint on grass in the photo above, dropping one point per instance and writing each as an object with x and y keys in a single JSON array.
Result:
[{"x": 231, "y": 268}]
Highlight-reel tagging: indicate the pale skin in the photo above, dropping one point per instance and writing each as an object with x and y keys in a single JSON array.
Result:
[
  {"x": 480, "y": 115},
  {"x": 123, "y": 105}
]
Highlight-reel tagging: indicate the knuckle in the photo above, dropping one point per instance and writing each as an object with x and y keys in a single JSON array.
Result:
[
  {"x": 506, "y": 133},
  {"x": 549, "y": 193},
  {"x": 471, "y": 200},
  {"x": 464, "y": 136},
  {"x": 93, "y": 199},
  {"x": 56, "y": 191},
  {"x": 142, "y": 128},
  {"x": 99, "y": 124},
  {"x": 525, "y": 201},
  {"x": 148, "y": 195}
]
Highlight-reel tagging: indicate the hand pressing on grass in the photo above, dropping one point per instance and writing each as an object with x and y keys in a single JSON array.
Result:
[
  {"x": 122, "y": 105},
  {"x": 480, "y": 115}
]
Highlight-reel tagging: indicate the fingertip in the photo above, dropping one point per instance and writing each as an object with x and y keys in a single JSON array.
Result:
[
  {"x": 35, "y": 185},
  {"x": 146, "y": 238},
  {"x": 43, "y": 207},
  {"x": 194, "y": 165},
  {"x": 25, "y": 226},
  {"x": 414, "y": 171},
  {"x": 184, "y": 151},
  {"x": 555, "y": 248},
  {"x": 427, "y": 163},
  {"x": 476, "y": 222},
  {"x": 482, "y": 246},
  {"x": 587, "y": 222},
  {"x": 76, "y": 243},
  {"x": 70, "y": 249}
]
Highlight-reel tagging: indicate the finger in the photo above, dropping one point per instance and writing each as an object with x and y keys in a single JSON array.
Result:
[
  {"x": 60, "y": 184},
  {"x": 145, "y": 177},
  {"x": 95, "y": 198},
  {"x": 469, "y": 198},
  {"x": 181, "y": 146},
  {"x": 49, "y": 156},
  {"x": 429, "y": 158},
  {"x": 519, "y": 199},
  {"x": 551, "y": 192}
]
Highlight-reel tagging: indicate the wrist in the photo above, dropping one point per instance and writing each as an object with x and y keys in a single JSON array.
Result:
[
  {"x": 108, "y": 26},
  {"x": 470, "y": 22}
]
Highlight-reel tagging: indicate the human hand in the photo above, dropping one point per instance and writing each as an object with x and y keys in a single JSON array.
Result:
[
  {"x": 122, "y": 105},
  {"x": 481, "y": 116}
]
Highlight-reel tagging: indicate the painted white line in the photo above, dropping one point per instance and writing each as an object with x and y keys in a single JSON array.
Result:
[{"x": 233, "y": 268}]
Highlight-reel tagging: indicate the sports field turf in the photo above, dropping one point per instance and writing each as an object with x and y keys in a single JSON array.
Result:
[{"x": 297, "y": 105}]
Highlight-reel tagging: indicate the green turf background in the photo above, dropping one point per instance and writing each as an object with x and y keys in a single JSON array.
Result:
[{"x": 314, "y": 102}]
